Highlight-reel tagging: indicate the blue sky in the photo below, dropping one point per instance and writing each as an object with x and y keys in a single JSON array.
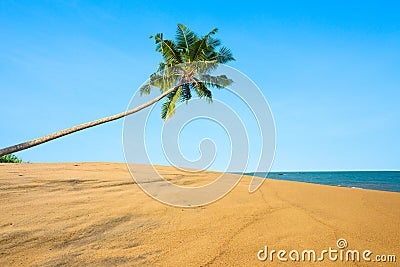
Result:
[{"x": 329, "y": 71}]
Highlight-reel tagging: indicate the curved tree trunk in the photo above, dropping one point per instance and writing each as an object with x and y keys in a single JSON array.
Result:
[{"x": 44, "y": 139}]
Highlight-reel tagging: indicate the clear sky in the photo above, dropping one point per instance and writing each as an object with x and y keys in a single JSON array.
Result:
[{"x": 329, "y": 70}]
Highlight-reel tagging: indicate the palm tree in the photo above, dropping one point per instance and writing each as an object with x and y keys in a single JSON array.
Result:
[{"x": 188, "y": 62}]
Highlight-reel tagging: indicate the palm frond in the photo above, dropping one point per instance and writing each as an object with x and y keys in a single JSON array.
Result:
[
  {"x": 197, "y": 53},
  {"x": 186, "y": 94},
  {"x": 202, "y": 91},
  {"x": 203, "y": 67},
  {"x": 220, "y": 81},
  {"x": 170, "y": 52},
  {"x": 224, "y": 55},
  {"x": 185, "y": 38},
  {"x": 145, "y": 89},
  {"x": 163, "y": 80},
  {"x": 168, "y": 49},
  {"x": 213, "y": 42},
  {"x": 168, "y": 107}
]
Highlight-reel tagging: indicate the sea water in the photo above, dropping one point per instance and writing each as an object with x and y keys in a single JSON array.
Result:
[{"x": 375, "y": 180}]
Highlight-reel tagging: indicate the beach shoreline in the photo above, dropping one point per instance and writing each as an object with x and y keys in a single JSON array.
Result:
[{"x": 94, "y": 214}]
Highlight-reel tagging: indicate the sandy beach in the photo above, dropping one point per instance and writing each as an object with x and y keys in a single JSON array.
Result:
[{"x": 94, "y": 214}]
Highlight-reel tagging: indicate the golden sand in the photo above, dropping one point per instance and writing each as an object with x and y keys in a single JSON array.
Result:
[{"x": 94, "y": 214}]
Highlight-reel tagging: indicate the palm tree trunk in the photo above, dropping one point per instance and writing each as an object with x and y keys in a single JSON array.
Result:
[{"x": 47, "y": 138}]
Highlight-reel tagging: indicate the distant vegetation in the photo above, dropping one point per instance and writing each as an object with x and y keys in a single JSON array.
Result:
[{"x": 10, "y": 158}]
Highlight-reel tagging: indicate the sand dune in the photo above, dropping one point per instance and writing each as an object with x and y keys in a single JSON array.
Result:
[{"x": 93, "y": 214}]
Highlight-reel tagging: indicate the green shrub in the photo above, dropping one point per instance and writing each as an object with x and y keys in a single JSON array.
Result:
[{"x": 10, "y": 158}]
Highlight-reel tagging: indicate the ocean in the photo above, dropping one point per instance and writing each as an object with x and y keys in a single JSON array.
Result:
[{"x": 375, "y": 180}]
